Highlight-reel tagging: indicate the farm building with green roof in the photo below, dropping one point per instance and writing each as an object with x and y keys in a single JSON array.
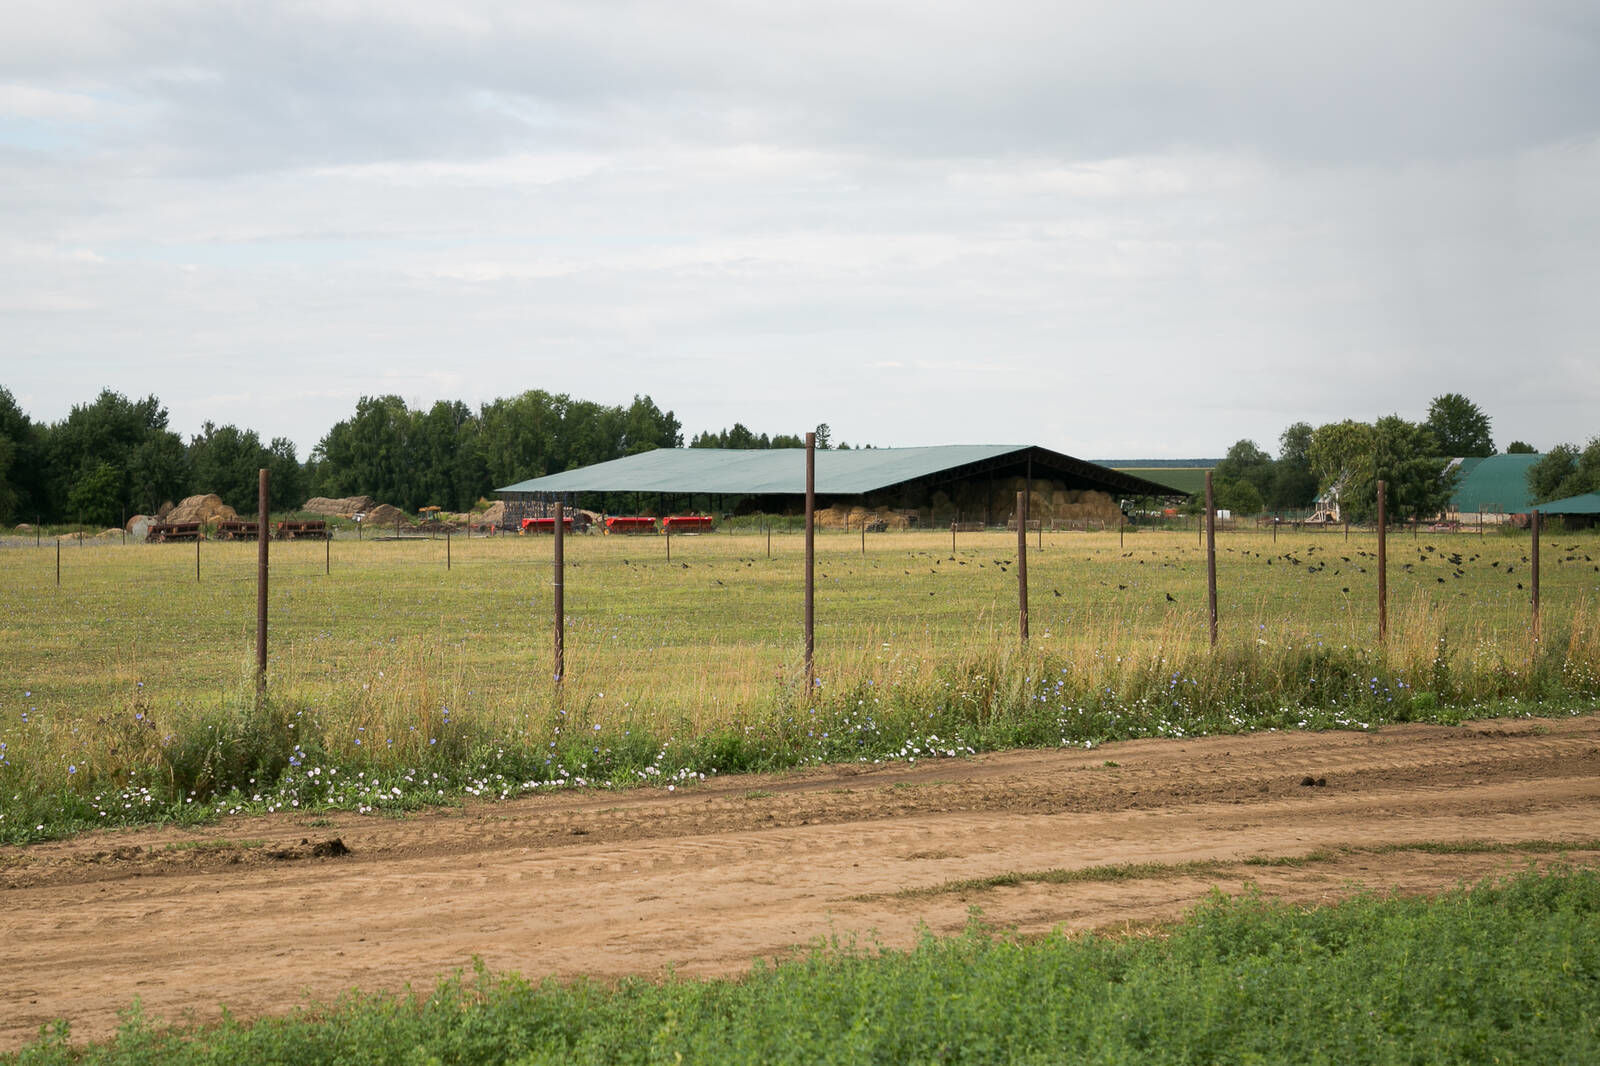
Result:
[
  {"x": 1497, "y": 485},
  {"x": 1585, "y": 506},
  {"x": 936, "y": 485}
]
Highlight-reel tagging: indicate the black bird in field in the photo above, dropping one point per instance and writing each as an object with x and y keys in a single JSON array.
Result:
[
  {"x": 1170, "y": 599},
  {"x": 1121, "y": 588},
  {"x": 1056, "y": 591}
]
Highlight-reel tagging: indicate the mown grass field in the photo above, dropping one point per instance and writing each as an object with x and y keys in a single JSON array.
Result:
[{"x": 134, "y": 675}]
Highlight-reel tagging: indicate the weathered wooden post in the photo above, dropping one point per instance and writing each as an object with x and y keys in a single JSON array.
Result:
[
  {"x": 811, "y": 561},
  {"x": 262, "y": 498},
  {"x": 1383, "y": 567},
  {"x": 1022, "y": 565},
  {"x": 1211, "y": 558},
  {"x": 558, "y": 584},
  {"x": 1535, "y": 560}
]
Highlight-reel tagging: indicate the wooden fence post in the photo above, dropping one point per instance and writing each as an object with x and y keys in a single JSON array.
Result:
[{"x": 1383, "y": 567}]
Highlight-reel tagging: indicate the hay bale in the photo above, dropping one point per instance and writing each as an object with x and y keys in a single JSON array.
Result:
[
  {"x": 139, "y": 526},
  {"x": 493, "y": 516},
  {"x": 385, "y": 514},
  {"x": 343, "y": 507},
  {"x": 164, "y": 510},
  {"x": 207, "y": 508}
]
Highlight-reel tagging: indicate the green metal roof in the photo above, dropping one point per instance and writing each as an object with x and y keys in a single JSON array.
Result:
[
  {"x": 1496, "y": 485},
  {"x": 782, "y": 471},
  {"x": 1588, "y": 503}
]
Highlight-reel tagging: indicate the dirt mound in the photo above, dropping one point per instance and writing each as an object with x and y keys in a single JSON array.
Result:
[
  {"x": 385, "y": 514},
  {"x": 207, "y": 508},
  {"x": 344, "y": 507}
]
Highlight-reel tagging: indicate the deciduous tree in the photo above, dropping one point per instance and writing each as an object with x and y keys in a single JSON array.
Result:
[
  {"x": 1294, "y": 486},
  {"x": 1459, "y": 426},
  {"x": 1565, "y": 470}
]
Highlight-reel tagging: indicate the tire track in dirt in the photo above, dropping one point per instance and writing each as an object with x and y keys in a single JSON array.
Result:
[{"x": 709, "y": 878}]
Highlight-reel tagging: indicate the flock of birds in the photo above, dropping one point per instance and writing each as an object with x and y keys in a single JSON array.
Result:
[{"x": 1312, "y": 560}]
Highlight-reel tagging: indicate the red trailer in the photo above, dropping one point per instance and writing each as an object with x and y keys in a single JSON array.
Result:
[
  {"x": 687, "y": 523},
  {"x": 545, "y": 525},
  {"x": 630, "y": 524}
]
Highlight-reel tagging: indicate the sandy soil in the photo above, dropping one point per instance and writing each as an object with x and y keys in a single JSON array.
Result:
[{"x": 246, "y": 913}]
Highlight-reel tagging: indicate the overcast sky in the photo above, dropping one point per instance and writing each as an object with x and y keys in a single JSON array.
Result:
[{"x": 1115, "y": 229}]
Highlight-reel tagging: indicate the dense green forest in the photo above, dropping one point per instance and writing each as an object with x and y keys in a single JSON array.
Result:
[{"x": 113, "y": 457}]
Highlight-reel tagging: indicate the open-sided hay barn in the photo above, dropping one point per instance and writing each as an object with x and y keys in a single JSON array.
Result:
[{"x": 931, "y": 486}]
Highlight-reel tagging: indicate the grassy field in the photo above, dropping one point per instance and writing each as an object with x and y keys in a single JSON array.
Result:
[
  {"x": 126, "y": 692},
  {"x": 1503, "y": 972}
]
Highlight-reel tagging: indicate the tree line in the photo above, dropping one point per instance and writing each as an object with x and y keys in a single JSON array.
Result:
[
  {"x": 1347, "y": 459},
  {"x": 113, "y": 457}
]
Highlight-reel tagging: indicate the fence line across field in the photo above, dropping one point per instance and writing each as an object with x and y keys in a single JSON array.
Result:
[{"x": 298, "y": 561}]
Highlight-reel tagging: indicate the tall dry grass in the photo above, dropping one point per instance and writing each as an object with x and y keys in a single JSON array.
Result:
[{"x": 116, "y": 706}]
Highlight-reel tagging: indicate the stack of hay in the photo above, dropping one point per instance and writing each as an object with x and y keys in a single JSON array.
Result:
[
  {"x": 205, "y": 509},
  {"x": 841, "y": 517},
  {"x": 385, "y": 514},
  {"x": 345, "y": 507}
]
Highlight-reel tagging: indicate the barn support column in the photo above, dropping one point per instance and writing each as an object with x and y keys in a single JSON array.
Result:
[{"x": 1029, "y": 486}]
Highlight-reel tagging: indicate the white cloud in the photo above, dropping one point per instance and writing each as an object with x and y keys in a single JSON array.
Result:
[{"x": 1121, "y": 227}]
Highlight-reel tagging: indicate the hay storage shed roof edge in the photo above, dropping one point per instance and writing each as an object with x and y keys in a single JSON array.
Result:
[{"x": 848, "y": 472}]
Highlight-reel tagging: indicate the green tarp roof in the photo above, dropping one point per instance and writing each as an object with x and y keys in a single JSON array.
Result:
[
  {"x": 1588, "y": 503},
  {"x": 782, "y": 471},
  {"x": 1496, "y": 485}
]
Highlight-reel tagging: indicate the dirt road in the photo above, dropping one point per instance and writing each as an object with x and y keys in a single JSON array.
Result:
[{"x": 705, "y": 879}]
